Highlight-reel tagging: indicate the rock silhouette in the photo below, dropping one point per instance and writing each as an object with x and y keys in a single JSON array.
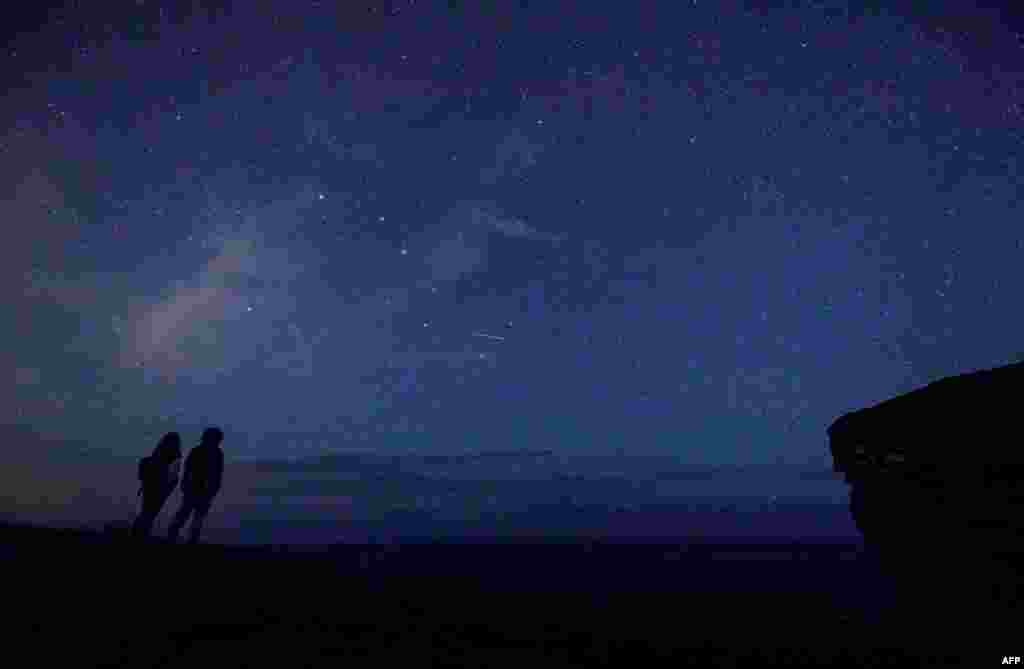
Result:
[{"x": 936, "y": 479}]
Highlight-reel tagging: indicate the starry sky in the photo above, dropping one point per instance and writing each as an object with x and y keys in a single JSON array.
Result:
[{"x": 698, "y": 230}]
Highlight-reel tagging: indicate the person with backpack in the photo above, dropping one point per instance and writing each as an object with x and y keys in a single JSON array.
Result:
[
  {"x": 204, "y": 469},
  {"x": 158, "y": 477}
]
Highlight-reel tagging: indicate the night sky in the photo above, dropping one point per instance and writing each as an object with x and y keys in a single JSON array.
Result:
[{"x": 698, "y": 230}]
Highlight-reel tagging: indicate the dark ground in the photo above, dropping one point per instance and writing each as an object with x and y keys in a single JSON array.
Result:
[{"x": 99, "y": 600}]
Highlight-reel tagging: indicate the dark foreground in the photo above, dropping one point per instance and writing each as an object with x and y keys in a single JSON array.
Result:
[{"x": 96, "y": 600}]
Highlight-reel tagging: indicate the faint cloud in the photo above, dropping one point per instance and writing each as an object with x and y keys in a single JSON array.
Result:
[
  {"x": 510, "y": 226},
  {"x": 514, "y": 154},
  {"x": 458, "y": 244},
  {"x": 451, "y": 248},
  {"x": 454, "y": 256}
]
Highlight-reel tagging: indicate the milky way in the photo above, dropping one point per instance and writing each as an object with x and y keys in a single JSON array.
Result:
[{"x": 714, "y": 230}]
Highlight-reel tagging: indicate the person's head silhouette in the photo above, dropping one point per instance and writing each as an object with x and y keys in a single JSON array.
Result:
[
  {"x": 169, "y": 447},
  {"x": 212, "y": 436}
]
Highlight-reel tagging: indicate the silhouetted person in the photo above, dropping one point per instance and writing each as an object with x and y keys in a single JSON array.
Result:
[
  {"x": 204, "y": 468},
  {"x": 158, "y": 477}
]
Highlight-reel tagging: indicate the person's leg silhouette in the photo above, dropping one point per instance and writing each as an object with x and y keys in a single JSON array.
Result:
[
  {"x": 152, "y": 504},
  {"x": 180, "y": 518},
  {"x": 200, "y": 509},
  {"x": 143, "y": 524}
]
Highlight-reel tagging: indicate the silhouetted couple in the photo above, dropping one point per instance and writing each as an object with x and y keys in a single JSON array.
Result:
[{"x": 158, "y": 474}]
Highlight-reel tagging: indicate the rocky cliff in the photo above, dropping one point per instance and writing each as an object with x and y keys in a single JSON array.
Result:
[{"x": 936, "y": 475}]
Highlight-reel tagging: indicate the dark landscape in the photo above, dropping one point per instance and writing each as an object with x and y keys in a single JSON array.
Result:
[
  {"x": 935, "y": 583},
  {"x": 101, "y": 600}
]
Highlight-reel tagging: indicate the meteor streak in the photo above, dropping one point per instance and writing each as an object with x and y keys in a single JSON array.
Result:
[{"x": 488, "y": 336}]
